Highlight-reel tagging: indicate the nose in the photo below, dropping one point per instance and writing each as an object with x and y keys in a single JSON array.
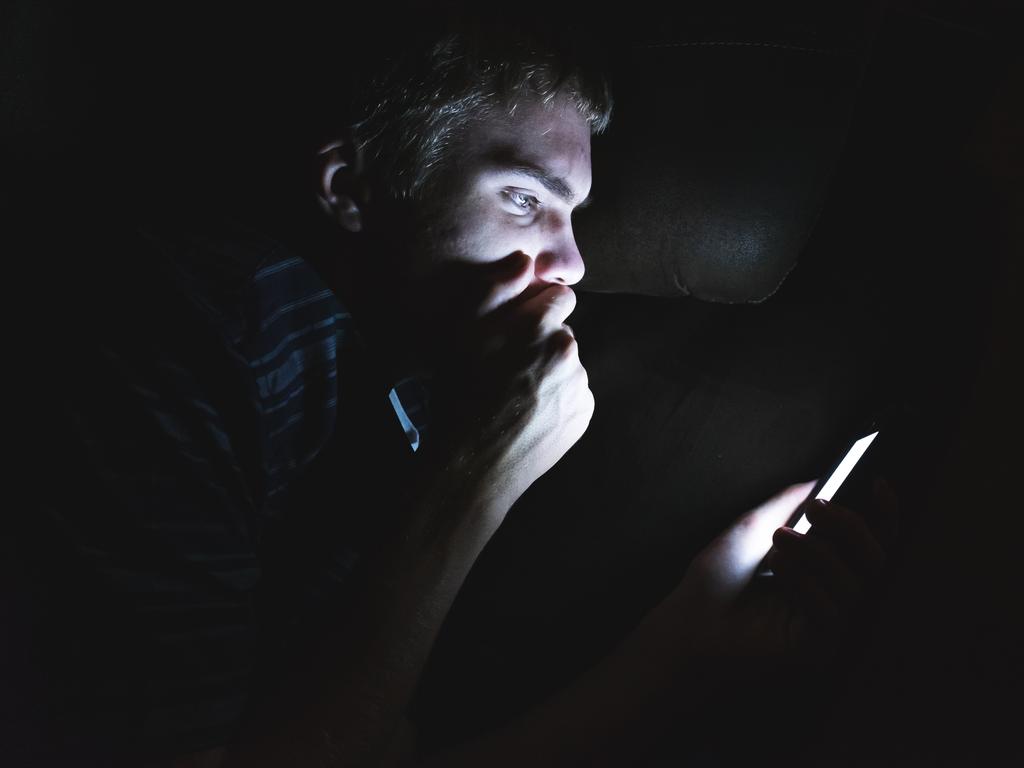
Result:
[{"x": 561, "y": 263}]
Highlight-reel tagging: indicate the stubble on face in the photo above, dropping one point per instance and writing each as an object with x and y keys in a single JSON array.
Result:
[{"x": 459, "y": 234}]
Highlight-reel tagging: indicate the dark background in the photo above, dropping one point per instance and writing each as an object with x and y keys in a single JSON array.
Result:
[{"x": 894, "y": 175}]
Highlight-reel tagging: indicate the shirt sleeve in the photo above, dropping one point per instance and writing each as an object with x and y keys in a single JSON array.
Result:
[{"x": 140, "y": 551}]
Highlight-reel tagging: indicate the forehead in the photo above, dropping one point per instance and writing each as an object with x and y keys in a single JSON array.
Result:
[{"x": 552, "y": 136}]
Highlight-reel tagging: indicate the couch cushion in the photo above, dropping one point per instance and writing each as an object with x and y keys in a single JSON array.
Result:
[{"x": 726, "y": 131}]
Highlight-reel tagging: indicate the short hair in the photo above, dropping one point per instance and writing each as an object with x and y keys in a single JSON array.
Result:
[{"x": 414, "y": 110}]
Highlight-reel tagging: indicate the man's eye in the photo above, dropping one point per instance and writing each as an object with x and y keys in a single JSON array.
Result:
[{"x": 521, "y": 201}]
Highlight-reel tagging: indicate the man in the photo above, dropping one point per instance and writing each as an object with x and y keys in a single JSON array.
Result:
[{"x": 252, "y": 500}]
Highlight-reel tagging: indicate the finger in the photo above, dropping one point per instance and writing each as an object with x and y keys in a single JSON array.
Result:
[
  {"x": 803, "y": 588},
  {"x": 577, "y": 402},
  {"x": 819, "y": 557},
  {"x": 519, "y": 326},
  {"x": 776, "y": 511},
  {"x": 735, "y": 555},
  {"x": 849, "y": 532},
  {"x": 510, "y": 278},
  {"x": 560, "y": 353},
  {"x": 469, "y": 296},
  {"x": 755, "y": 529},
  {"x": 545, "y": 313}
]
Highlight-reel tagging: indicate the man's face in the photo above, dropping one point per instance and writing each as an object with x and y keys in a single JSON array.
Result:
[{"x": 511, "y": 187}]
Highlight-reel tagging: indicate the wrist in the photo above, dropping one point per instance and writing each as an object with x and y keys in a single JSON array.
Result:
[{"x": 451, "y": 509}]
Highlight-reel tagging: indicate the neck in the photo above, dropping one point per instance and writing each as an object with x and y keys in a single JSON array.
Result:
[
  {"x": 384, "y": 314},
  {"x": 368, "y": 278}
]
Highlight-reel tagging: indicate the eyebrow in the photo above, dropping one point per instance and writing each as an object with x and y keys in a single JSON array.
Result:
[{"x": 556, "y": 185}]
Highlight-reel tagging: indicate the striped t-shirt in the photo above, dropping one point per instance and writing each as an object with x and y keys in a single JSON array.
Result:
[{"x": 217, "y": 448}]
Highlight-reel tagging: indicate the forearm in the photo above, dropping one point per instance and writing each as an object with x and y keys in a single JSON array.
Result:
[
  {"x": 612, "y": 711},
  {"x": 354, "y": 694},
  {"x": 344, "y": 703}
]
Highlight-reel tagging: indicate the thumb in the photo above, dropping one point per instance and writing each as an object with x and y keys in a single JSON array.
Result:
[
  {"x": 511, "y": 276},
  {"x": 733, "y": 557}
]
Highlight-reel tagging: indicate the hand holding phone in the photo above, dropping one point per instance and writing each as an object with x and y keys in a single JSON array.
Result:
[{"x": 828, "y": 487}]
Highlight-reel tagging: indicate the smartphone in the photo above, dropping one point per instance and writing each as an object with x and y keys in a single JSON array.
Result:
[
  {"x": 829, "y": 485},
  {"x": 859, "y": 455}
]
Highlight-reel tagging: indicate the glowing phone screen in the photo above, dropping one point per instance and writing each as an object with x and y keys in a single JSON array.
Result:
[{"x": 836, "y": 479}]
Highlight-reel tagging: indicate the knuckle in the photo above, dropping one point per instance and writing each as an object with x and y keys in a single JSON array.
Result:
[
  {"x": 525, "y": 400},
  {"x": 563, "y": 342},
  {"x": 567, "y": 296},
  {"x": 818, "y": 510},
  {"x": 589, "y": 402},
  {"x": 560, "y": 301}
]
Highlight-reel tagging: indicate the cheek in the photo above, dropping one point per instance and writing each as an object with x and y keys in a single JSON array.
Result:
[{"x": 486, "y": 234}]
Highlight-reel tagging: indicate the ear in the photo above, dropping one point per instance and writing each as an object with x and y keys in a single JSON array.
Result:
[{"x": 341, "y": 189}]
